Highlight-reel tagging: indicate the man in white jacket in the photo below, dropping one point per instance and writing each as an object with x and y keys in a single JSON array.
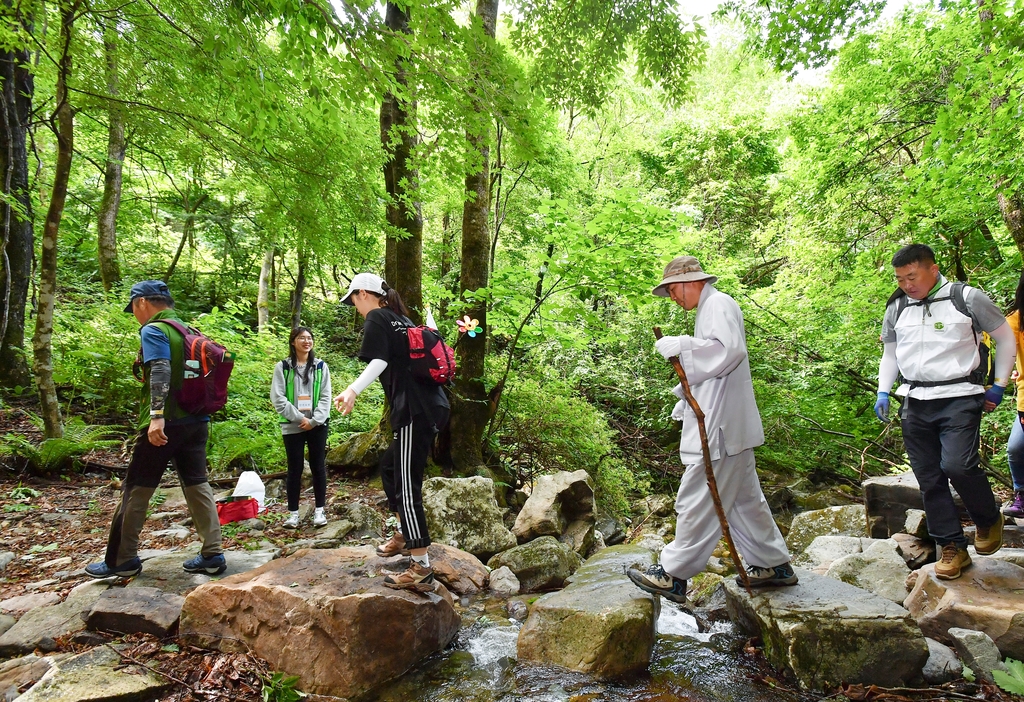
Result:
[
  {"x": 930, "y": 336},
  {"x": 716, "y": 365}
]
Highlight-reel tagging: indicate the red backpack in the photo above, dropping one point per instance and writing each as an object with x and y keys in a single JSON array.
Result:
[
  {"x": 431, "y": 361},
  {"x": 207, "y": 367}
]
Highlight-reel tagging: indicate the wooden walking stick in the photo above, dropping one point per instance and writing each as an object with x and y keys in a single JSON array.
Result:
[{"x": 708, "y": 470}]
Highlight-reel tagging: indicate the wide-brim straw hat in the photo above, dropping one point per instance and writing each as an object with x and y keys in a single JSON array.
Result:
[{"x": 682, "y": 269}]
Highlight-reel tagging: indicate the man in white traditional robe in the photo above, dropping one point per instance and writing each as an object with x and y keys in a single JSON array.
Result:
[{"x": 718, "y": 370}]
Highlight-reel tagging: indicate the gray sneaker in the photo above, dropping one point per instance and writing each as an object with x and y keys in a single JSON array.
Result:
[
  {"x": 655, "y": 580},
  {"x": 770, "y": 577}
]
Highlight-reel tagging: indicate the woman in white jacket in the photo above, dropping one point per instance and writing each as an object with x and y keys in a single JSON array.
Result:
[{"x": 301, "y": 394}]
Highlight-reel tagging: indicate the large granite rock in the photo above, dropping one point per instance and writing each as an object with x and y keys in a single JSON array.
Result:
[
  {"x": 825, "y": 550},
  {"x": 366, "y": 521},
  {"x": 503, "y": 582},
  {"x": 463, "y": 513},
  {"x": 97, "y": 675},
  {"x": 556, "y": 501},
  {"x": 599, "y": 624},
  {"x": 17, "y": 606},
  {"x": 137, "y": 610},
  {"x": 40, "y": 627},
  {"x": 914, "y": 551},
  {"x": 826, "y": 632},
  {"x": 164, "y": 572},
  {"x": 542, "y": 564},
  {"x": 878, "y": 569},
  {"x": 886, "y": 501},
  {"x": 325, "y": 616},
  {"x": 847, "y": 520},
  {"x": 360, "y": 451},
  {"x": 986, "y": 597}
]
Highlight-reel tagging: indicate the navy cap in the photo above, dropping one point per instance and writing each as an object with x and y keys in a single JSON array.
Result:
[{"x": 147, "y": 288}]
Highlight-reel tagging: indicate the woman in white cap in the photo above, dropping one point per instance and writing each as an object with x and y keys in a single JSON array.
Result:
[
  {"x": 418, "y": 412},
  {"x": 301, "y": 394}
]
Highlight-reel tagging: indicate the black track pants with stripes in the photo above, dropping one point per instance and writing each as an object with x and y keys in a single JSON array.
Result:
[{"x": 401, "y": 469}]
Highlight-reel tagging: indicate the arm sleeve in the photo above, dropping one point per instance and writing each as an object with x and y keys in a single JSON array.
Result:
[
  {"x": 369, "y": 374},
  {"x": 1006, "y": 353},
  {"x": 278, "y": 398},
  {"x": 159, "y": 384},
  {"x": 322, "y": 412},
  {"x": 720, "y": 355},
  {"x": 887, "y": 368}
]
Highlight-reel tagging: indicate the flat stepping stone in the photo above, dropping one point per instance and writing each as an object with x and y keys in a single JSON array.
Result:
[
  {"x": 138, "y": 610},
  {"x": 826, "y": 632},
  {"x": 40, "y": 627},
  {"x": 95, "y": 676},
  {"x": 164, "y": 572}
]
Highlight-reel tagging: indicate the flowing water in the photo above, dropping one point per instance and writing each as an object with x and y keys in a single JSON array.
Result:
[{"x": 481, "y": 666}]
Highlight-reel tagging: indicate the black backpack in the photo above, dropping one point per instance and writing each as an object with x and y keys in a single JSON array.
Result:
[{"x": 985, "y": 373}]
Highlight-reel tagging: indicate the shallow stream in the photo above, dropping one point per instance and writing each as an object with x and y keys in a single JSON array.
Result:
[{"x": 480, "y": 666}]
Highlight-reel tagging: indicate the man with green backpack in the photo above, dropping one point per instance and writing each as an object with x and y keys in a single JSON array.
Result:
[{"x": 177, "y": 365}]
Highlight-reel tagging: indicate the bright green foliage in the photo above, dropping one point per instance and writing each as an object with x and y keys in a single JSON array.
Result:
[
  {"x": 58, "y": 455},
  {"x": 1013, "y": 681},
  {"x": 278, "y": 687}
]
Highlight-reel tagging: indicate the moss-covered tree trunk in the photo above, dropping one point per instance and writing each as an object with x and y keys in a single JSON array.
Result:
[
  {"x": 65, "y": 133},
  {"x": 17, "y": 235},
  {"x": 470, "y": 408},
  {"x": 106, "y": 229},
  {"x": 398, "y": 135}
]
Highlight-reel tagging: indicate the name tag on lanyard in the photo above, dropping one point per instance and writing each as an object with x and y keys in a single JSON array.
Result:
[{"x": 304, "y": 403}]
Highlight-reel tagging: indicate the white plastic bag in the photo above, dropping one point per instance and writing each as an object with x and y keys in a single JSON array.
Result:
[{"x": 250, "y": 485}]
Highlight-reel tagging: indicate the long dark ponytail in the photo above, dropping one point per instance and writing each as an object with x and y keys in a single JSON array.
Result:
[
  {"x": 392, "y": 300},
  {"x": 1018, "y": 302},
  {"x": 293, "y": 356}
]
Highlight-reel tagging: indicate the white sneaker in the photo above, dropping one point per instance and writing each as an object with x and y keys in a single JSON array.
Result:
[
  {"x": 292, "y": 522},
  {"x": 319, "y": 519}
]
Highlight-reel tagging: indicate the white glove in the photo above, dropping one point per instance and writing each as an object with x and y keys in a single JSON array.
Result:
[
  {"x": 668, "y": 346},
  {"x": 678, "y": 391}
]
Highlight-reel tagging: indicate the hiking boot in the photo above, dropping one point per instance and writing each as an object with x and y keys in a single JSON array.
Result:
[
  {"x": 393, "y": 546},
  {"x": 214, "y": 565},
  {"x": 1015, "y": 510},
  {"x": 656, "y": 581},
  {"x": 954, "y": 559},
  {"x": 416, "y": 577},
  {"x": 131, "y": 567},
  {"x": 989, "y": 540},
  {"x": 292, "y": 522},
  {"x": 770, "y": 577},
  {"x": 319, "y": 519}
]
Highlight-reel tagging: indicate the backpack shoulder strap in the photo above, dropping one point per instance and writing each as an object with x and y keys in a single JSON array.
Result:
[
  {"x": 956, "y": 295},
  {"x": 900, "y": 298},
  {"x": 174, "y": 324}
]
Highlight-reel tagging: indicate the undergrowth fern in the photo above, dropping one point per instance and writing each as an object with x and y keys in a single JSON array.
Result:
[{"x": 57, "y": 454}]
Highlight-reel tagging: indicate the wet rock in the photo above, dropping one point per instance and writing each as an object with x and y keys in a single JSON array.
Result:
[
  {"x": 826, "y": 632},
  {"x": 19, "y": 673},
  {"x": 834, "y": 521},
  {"x": 579, "y": 536},
  {"x": 600, "y": 624},
  {"x": 886, "y": 501},
  {"x": 611, "y": 529},
  {"x": 503, "y": 582},
  {"x": 366, "y": 520},
  {"x": 324, "y": 616},
  {"x": 5, "y": 558},
  {"x": 517, "y": 610},
  {"x": 977, "y": 651},
  {"x": 361, "y": 451},
  {"x": 463, "y": 513},
  {"x": 824, "y": 550},
  {"x": 95, "y": 676},
  {"x": 878, "y": 569},
  {"x": 39, "y": 627},
  {"x": 556, "y": 501},
  {"x": 986, "y": 597},
  {"x": 942, "y": 665},
  {"x": 702, "y": 586},
  {"x": 916, "y": 524},
  {"x": 165, "y": 573},
  {"x": 542, "y": 564},
  {"x": 17, "y": 606},
  {"x": 460, "y": 572},
  {"x": 915, "y": 552},
  {"x": 139, "y": 610}
]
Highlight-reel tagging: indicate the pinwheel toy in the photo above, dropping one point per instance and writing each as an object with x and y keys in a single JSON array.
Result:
[{"x": 469, "y": 326}]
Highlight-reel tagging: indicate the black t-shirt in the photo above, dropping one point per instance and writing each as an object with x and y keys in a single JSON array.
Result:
[{"x": 384, "y": 337}]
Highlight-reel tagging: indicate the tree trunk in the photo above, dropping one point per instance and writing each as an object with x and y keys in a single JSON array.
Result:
[
  {"x": 470, "y": 408},
  {"x": 106, "y": 229},
  {"x": 398, "y": 135},
  {"x": 188, "y": 232},
  {"x": 300, "y": 287},
  {"x": 64, "y": 131},
  {"x": 1012, "y": 208},
  {"x": 263, "y": 296},
  {"x": 17, "y": 236}
]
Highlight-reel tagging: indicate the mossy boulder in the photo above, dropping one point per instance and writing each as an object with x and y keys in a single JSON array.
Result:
[
  {"x": 463, "y": 512},
  {"x": 848, "y": 520},
  {"x": 542, "y": 564},
  {"x": 362, "y": 450}
]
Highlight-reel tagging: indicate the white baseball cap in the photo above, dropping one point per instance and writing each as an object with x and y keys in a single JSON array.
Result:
[{"x": 364, "y": 281}]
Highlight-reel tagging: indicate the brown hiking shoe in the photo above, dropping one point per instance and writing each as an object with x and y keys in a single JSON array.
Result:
[
  {"x": 393, "y": 546},
  {"x": 954, "y": 559},
  {"x": 416, "y": 577},
  {"x": 988, "y": 541}
]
